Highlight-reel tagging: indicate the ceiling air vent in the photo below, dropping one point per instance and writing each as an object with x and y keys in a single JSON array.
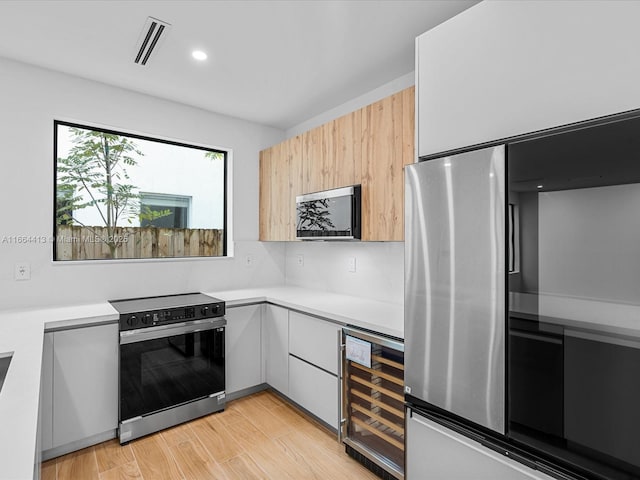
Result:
[{"x": 154, "y": 30}]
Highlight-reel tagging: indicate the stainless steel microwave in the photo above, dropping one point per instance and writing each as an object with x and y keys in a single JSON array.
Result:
[{"x": 329, "y": 215}]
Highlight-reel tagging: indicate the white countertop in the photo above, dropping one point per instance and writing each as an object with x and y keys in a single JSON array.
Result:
[
  {"x": 382, "y": 317},
  {"x": 21, "y": 332},
  {"x": 19, "y": 397}
]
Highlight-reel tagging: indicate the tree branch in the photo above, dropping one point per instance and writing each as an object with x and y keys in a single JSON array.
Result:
[{"x": 93, "y": 199}]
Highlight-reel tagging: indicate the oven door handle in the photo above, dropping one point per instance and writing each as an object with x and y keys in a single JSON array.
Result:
[{"x": 163, "y": 331}]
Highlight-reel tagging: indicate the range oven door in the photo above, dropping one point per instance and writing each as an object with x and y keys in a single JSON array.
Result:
[{"x": 169, "y": 367}]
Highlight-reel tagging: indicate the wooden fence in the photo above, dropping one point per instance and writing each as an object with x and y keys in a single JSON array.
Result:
[{"x": 90, "y": 243}]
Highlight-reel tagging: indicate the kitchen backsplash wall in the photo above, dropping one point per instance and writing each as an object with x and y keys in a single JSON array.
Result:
[{"x": 379, "y": 268}]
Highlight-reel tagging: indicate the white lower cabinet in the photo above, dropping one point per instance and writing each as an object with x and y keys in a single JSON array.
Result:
[
  {"x": 295, "y": 354},
  {"x": 314, "y": 389},
  {"x": 80, "y": 386},
  {"x": 314, "y": 340},
  {"x": 243, "y": 348},
  {"x": 276, "y": 347},
  {"x": 313, "y": 365},
  {"x": 435, "y": 452},
  {"x": 46, "y": 394}
]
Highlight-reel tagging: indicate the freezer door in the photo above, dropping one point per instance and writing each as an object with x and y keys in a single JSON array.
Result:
[
  {"x": 455, "y": 284},
  {"x": 436, "y": 452}
]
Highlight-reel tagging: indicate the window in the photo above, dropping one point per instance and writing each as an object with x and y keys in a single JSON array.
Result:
[{"x": 122, "y": 196}]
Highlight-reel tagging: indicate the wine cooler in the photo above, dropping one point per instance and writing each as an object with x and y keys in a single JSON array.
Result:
[{"x": 372, "y": 424}]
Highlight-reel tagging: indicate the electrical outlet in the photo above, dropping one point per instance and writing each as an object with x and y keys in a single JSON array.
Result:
[
  {"x": 22, "y": 271},
  {"x": 248, "y": 260},
  {"x": 300, "y": 260},
  {"x": 351, "y": 264}
]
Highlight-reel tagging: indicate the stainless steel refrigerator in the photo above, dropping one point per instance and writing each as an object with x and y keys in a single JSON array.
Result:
[{"x": 455, "y": 288}]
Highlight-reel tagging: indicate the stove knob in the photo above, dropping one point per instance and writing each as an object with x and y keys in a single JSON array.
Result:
[
  {"x": 204, "y": 311},
  {"x": 132, "y": 321},
  {"x": 215, "y": 308},
  {"x": 147, "y": 319}
]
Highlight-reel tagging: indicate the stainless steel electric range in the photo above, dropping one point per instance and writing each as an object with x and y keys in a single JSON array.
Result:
[{"x": 172, "y": 361}]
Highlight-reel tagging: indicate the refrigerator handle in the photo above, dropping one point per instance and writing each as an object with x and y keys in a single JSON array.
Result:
[{"x": 341, "y": 391}]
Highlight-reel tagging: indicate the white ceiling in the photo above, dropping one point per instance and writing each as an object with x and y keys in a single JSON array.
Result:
[{"x": 277, "y": 63}]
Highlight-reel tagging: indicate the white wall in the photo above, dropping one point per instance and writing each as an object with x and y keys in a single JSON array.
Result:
[
  {"x": 30, "y": 99},
  {"x": 368, "y": 98},
  {"x": 379, "y": 271},
  {"x": 503, "y": 68}
]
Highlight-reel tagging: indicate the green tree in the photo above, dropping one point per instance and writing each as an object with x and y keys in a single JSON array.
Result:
[
  {"x": 214, "y": 155},
  {"x": 94, "y": 174}
]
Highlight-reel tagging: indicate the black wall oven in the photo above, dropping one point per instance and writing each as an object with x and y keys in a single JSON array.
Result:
[{"x": 172, "y": 361}]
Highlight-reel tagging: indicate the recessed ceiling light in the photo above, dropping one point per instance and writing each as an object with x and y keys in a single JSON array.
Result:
[
  {"x": 540, "y": 186},
  {"x": 199, "y": 55}
]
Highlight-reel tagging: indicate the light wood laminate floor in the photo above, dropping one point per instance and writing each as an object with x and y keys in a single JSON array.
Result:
[{"x": 257, "y": 437}]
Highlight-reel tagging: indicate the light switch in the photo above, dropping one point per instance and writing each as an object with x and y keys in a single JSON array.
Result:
[{"x": 351, "y": 264}]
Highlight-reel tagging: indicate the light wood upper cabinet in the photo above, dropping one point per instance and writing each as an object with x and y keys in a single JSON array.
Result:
[
  {"x": 408, "y": 125},
  {"x": 386, "y": 148},
  {"x": 274, "y": 194},
  {"x": 331, "y": 154},
  {"x": 369, "y": 146},
  {"x": 293, "y": 149},
  {"x": 342, "y": 164},
  {"x": 314, "y": 153},
  {"x": 264, "y": 196},
  {"x": 280, "y": 182}
]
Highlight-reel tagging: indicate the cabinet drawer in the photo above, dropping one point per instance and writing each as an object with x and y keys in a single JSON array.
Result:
[
  {"x": 314, "y": 389},
  {"x": 314, "y": 340},
  {"x": 434, "y": 451}
]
